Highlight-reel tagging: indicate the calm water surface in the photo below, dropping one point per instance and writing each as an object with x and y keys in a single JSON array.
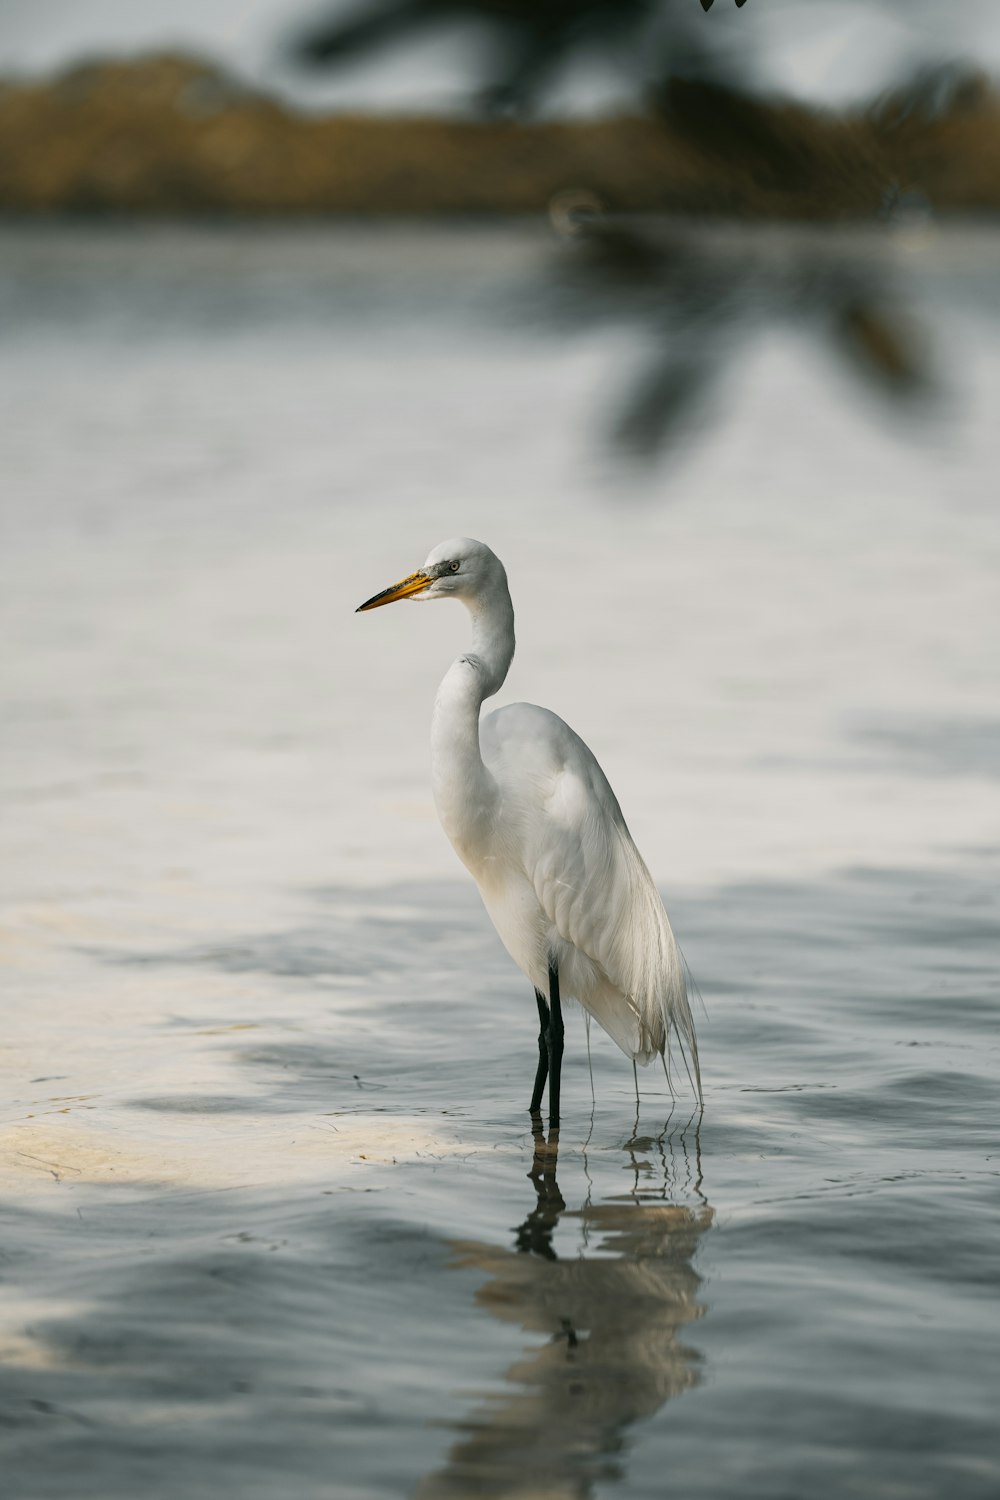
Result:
[{"x": 273, "y": 1217}]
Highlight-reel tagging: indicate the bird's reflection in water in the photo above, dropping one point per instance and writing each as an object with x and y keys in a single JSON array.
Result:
[{"x": 609, "y": 1312}]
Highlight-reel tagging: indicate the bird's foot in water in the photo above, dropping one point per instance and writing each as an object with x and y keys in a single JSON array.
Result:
[{"x": 544, "y": 1147}]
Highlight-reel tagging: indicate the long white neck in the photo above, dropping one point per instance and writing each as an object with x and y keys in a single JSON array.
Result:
[{"x": 464, "y": 791}]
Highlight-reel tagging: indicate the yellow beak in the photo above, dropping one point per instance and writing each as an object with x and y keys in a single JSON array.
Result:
[{"x": 413, "y": 583}]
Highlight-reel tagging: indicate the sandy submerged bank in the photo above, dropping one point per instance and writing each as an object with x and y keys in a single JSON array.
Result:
[
  {"x": 173, "y": 135},
  {"x": 159, "y": 1084}
]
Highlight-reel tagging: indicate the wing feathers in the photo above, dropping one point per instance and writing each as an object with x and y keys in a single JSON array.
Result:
[{"x": 568, "y": 835}]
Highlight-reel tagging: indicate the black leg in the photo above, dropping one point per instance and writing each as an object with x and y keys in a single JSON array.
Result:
[
  {"x": 543, "y": 1052},
  {"x": 555, "y": 1041}
]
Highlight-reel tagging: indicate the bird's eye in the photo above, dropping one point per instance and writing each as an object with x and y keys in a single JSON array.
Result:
[{"x": 454, "y": 566}]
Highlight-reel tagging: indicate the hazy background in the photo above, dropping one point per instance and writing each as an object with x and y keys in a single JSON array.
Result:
[
  {"x": 274, "y": 1218},
  {"x": 828, "y": 51}
]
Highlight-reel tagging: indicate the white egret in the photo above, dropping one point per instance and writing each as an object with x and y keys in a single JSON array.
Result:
[{"x": 531, "y": 814}]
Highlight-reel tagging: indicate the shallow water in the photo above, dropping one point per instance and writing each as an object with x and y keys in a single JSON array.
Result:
[{"x": 273, "y": 1216}]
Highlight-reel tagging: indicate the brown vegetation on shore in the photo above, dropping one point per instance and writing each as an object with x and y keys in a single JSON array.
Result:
[{"x": 172, "y": 135}]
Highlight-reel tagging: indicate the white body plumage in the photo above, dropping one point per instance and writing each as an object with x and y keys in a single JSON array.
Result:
[{"x": 532, "y": 816}]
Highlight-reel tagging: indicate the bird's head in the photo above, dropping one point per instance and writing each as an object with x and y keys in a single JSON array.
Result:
[{"x": 461, "y": 568}]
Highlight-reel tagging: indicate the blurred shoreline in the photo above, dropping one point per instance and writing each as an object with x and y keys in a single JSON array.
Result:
[{"x": 170, "y": 135}]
